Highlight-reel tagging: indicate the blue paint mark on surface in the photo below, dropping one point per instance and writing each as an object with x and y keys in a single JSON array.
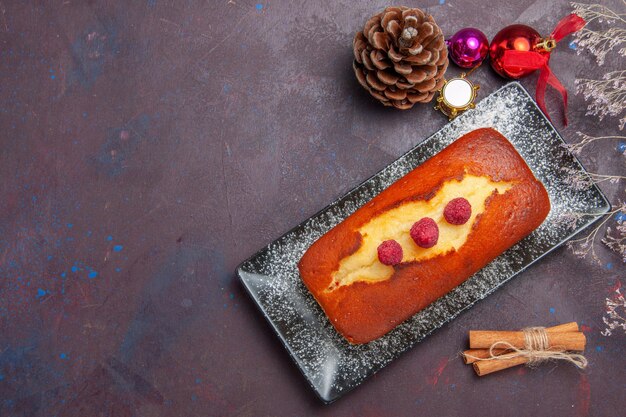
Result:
[
  {"x": 50, "y": 257},
  {"x": 620, "y": 217},
  {"x": 118, "y": 269},
  {"x": 621, "y": 147},
  {"x": 52, "y": 76},
  {"x": 573, "y": 45},
  {"x": 152, "y": 3},
  {"x": 92, "y": 274},
  {"x": 599, "y": 348},
  {"x": 89, "y": 233},
  {"x": 226, "y": 89},
  {"x": 145, "y": 324},
  {"x": 70, "y": 225},
  {"x": 198, "y": 380},
  {"x": 259, "y": 6},
  {"x": 452, "y": 387},
  {"x": 121, "y": 144},
  {"x": 442, "y": 2},
  {"x": 552, "y": 310},
  {"x": 40, "y": 293},
  {"x": 63, "y": 356},
  {"x": 232, "y": 296},
  {"x": 63, "y": 275},
  {"x": 91, "y": 51},
  {"x": 194, "y": 397},
  {"x": 118, "y": 248},
  {"x": 219, "y": 263},
  {"x": 74, "y": 268},
  {"x": 84, "y": 114},
  {"x": 1, "y": 377},
  {"x": 609, "y": 266},
  {"x": 109, "y": 238}
]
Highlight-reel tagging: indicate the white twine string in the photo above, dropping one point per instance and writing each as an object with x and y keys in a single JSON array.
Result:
[{"x": 536, "y": 348}]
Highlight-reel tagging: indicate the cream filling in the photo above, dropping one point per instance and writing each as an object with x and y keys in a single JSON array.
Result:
[{"x": 363, "y": 265}]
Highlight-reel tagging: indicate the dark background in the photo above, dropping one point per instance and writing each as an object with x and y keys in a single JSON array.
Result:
[{"x": 148, "y": 147}]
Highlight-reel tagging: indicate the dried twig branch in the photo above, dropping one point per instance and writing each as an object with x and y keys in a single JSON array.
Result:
[
  {"x": 607, "y": 95},
  {"x": 615, "y": 316},
  {"x": 576, "y": 148},
  {"x": 585, "y": 245}
]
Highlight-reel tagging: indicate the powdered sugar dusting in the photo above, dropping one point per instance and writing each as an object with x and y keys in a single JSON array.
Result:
[{"x": 331, "y": 365}]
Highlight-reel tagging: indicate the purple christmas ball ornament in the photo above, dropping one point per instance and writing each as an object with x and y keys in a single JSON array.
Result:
[{"x": 468, "y": 47}]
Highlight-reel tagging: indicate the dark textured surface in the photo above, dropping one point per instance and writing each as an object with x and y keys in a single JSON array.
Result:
[{"x": 149, "y": 147}]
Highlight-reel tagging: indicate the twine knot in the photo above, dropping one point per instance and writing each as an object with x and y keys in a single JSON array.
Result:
[{"x": 536, "y": 349}]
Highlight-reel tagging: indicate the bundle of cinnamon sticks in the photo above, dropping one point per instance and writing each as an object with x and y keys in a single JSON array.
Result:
[{"x": 487, "y": 357}]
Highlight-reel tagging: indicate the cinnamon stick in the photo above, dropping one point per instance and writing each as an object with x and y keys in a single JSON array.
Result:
[
  {"x": 562, "y": 340},
  {"x": 565, "y": 337},
  {"x": 487, "y": 367},
  {"x": 471, "y": 355}
]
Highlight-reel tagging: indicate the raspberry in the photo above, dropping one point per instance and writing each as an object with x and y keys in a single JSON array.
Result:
[
  {"x": 390, "y": 252},
  {"x": 425, "y": 233},
  {"x": 457, "y": 211}
]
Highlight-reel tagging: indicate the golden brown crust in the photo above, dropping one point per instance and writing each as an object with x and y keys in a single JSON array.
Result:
[{"x": 364, "y": 311}]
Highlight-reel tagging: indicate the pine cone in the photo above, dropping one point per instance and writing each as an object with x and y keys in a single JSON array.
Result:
[{"x": 400, "y": 57}]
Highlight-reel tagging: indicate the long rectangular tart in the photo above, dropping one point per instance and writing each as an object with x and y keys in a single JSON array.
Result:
[{"x": 424, "y": 235}]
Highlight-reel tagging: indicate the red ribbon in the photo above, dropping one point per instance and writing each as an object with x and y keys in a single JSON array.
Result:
[{"x": 541, "y": 61}]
